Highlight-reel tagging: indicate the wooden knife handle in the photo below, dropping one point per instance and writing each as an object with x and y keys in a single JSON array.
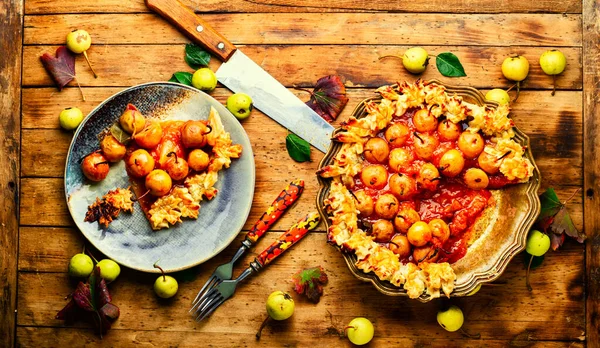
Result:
[{"x": 193, "y": 26}]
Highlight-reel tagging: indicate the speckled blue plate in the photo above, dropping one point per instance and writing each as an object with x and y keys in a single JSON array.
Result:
[{"x": 129, "y": 240}]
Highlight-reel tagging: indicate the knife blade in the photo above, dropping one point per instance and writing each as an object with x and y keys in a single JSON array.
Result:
[{"x": 241, "y": 74}]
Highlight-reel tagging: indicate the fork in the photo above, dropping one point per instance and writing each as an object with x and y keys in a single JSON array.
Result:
[
  {"x": 286, "y": 198},
  {"x": 215, "y": 297}
]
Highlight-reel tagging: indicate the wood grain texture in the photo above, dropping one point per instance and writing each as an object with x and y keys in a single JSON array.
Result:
[
  {"x": 272, "y": 336},
  {"x": 513, "y": 309},
  {"x": 322, "y": 29},
  {"x": 564, "y": 109},
  {"x": 43, "y": 201},
  {"x": 591, "y": 157},
  {"x": 303, "y": 65},
  {"x": 11, "y": 31},
  {"x": 279, "y": 6},
  {"x": 552, "y": 123}
]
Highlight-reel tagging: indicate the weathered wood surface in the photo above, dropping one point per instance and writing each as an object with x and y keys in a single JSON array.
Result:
[
  {"x": 11, "y": 30},
  {"x": 327, "y": 28},
  {"x": 557, "y": 298},
  {"x": 591, "y": 178},
  {"x": 299, "y": 42},
  {"x": 303, "y": 65},
  {"x": 279, "y": 6}
]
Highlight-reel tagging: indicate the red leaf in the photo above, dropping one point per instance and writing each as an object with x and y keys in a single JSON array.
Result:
[
  {"x": 555, "y": 221},
  {"x": 83, "y": 297},
  {"x": 328, "y": 98},
  {"x": 556, "y": 240},
  {"x": 61, "y": 67},
  {"x": 93, "y": 297},
  {"x": 310, "y": 282},
  {"x": 103, "y": 294},
  {"x": 68, "y": 312}
]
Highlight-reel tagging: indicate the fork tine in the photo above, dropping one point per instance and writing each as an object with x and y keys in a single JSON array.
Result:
[
  {"x": 205, "y": 300},
  {"x": 208, "y": 310},
  {"x": 210, "y": 283}
]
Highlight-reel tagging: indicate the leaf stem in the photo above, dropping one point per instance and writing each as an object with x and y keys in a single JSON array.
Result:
[
  {"x": 572, "y": 195},
  {"x": 89, "y": 64},
  {"x": 304, "y": 90},
  {"x": 80, "y": 90}
]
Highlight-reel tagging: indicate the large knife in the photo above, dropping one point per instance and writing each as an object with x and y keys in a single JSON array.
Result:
[{"x": 240, "y": 74}]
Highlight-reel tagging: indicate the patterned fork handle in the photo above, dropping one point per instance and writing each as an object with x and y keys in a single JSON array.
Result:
[
  {"x": 289, "y": 238},
  {"x": 286, "y": 198}
]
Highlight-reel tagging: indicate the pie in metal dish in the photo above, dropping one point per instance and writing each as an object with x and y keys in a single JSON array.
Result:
[
  {"x": 412, "y": 180},
  {"x": 172, "y": 166}
]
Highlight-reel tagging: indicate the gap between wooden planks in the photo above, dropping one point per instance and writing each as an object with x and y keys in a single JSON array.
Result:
[
  {"x": 446, "y": 6},
  {"x": 303, "y": 65}
]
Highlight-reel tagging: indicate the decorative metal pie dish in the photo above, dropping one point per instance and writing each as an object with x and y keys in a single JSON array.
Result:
[{"x": 498, "y": 234}]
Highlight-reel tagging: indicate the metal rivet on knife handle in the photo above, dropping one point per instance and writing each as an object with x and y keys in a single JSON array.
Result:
[{"x": 194, "y": 27}]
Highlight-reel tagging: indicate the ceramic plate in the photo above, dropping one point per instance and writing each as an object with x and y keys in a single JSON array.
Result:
[
  {"x": 129, "y": 240},
  {"x": 501, "y": 231}
]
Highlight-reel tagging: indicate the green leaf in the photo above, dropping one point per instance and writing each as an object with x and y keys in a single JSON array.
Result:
[
  {"x": 298, "y": 148},
  {"x": 121, "y": 135},
  {"x": 182, "y": 77},
  {"x": 195, "y": 56},
  {"x": 449, "y": 65},
  {"x": 550, "y": 204}
]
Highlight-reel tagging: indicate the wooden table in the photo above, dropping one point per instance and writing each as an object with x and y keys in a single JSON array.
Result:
[{"x": 297, "y": 42}]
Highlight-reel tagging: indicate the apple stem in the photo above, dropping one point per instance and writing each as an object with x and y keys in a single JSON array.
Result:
[
  {"x": 389, "y": 56},
  {"x": 83, "y": 251},
  {"x": 262, "y": 326},
  {"x": 527, "y": 275},
  {"x": 161, "y": 271},
  {"x": 349, "y": 327},
  {"x": 518, "y": 91},
  {"x": 465, "y": 333},
  {"x": 170, "y": 154},
  {"x": 92, "y": 256},
  {"x": 511, "y": 87},
  {"x": 90, "y": 64},
  {"x": 553, "y": 85},
  {"x": 210, "y": 129}
]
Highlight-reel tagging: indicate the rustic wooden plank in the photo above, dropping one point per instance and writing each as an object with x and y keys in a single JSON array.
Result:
[
  {"x": 321, "y": 28},
  {"x": 455, "y": 6},
  {"x": 591, "y": 174},
  {"x": 45, "y": 104},
  {"x": 556, "y": 301},
  {"x": 304, "y": 65},
  {"x": 275, "y": 335},
  {"x": 552, "y": 123},
  {"x": 11, "y": 31},
  {"x": 43, "y": 202}
]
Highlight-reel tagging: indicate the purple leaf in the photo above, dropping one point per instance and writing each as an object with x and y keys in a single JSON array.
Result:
[
  {"x": 328, "y": 98},
  {"x": 61, "y": 67},
  {"x": 83, "y": 297}
]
